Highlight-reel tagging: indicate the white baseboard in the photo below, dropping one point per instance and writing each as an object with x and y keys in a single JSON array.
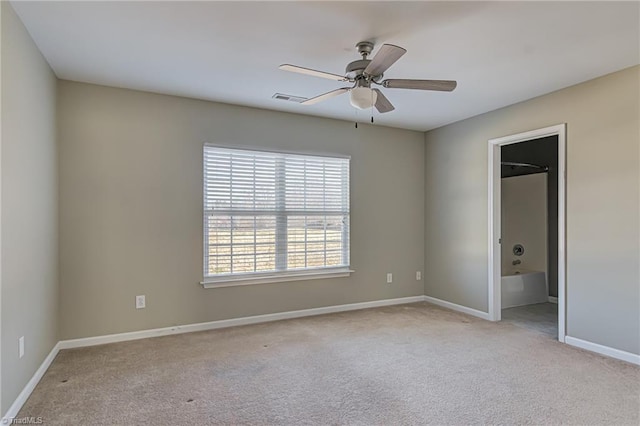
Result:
[
  {"x": 233, "y": 322},
  {"x": 553, "y": 299},
  {"x": 13, "y": 411},
  {"x": 122, "y": 337},
  {"x": 459, "y": 308},
  {"x": 603, "y": 350}
]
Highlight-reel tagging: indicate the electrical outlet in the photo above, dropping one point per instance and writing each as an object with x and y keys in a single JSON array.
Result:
[
  {"x": 21, "y": 346},
  {"x": 418, "y": 275},
  {"x": 140, "y": 302},
  {"x": 389, "y": 277}
]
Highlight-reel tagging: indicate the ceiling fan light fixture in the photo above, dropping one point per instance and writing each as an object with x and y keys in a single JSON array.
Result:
[{"x": 363, "y": 97}]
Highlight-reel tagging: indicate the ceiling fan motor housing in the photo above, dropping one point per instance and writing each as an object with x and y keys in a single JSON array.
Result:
[{"x": 356, "y": 69}]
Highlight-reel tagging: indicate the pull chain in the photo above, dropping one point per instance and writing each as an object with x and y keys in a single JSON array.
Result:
[{"x": 372, "y": 105}]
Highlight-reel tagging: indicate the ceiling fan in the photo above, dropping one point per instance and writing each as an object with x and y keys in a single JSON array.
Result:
[{"x": 365, "y": 72}]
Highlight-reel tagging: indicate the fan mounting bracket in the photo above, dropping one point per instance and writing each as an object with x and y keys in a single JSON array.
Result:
[{"x": 365, "y": 48}]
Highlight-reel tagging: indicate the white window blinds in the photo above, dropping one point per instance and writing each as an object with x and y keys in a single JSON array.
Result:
[{"x": 267, "y": 212}]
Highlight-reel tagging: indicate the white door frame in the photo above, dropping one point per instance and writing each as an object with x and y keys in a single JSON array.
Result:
[{"x": 495, "y": 302}]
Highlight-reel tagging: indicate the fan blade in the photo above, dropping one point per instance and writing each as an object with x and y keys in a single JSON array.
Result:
[
  {"x": 386, "y": 56},
  {"x": 382, "y": 103},
  {"x": 441, "y": 85},
  {"x": 326, "y": 96},
  {"x": 309, "y": 71}
]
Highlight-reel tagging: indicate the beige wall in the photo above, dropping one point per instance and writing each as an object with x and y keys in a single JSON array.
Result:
[
  {"x": 131, "y": 199},
  {"x": 129, "y": 169},
  {"x": 603, "y": 205},
  {"x": 29, "y": 207},
  {"x": 524, "y": 221}
]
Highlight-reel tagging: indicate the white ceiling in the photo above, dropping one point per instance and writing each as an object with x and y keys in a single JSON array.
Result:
[{"x": 499, "y": 52}]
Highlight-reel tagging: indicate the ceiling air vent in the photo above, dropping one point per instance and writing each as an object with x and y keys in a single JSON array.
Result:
[{"x": 290, "y": 98}]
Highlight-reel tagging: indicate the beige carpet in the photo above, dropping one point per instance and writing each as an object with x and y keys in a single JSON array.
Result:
[{"x": 412, "y": 364}]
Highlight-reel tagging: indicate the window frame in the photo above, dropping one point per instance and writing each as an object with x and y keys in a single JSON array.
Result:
[{"x": 299, "y": 274}]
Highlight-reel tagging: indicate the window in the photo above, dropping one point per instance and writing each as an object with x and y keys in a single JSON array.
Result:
[{"x": 274, "y": 216}]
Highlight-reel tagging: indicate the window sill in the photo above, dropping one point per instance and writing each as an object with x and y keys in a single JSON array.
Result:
[{"x": 250, "y": 279}]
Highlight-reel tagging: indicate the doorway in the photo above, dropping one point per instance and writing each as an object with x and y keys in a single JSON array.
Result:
[{"x": 527, "y": 280}]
